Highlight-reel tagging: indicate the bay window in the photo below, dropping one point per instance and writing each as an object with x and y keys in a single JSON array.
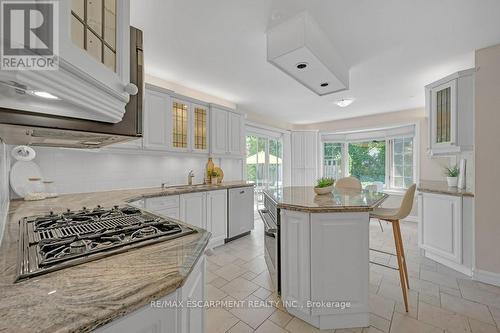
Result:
[{"x": 382, "y": 157}]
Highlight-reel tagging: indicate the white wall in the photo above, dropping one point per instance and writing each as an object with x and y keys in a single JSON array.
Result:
[
  {"x": 79, "y": 171},
  {"x": 4, "y": 185}
]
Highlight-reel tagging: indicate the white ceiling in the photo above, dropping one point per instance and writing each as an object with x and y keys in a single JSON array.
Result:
[{"x": 393, "y": 47}]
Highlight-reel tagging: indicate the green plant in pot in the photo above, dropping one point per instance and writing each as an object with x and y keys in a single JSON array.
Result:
[
  {"x": 324, "y": 185},
  {"x": 452, "y": 175},
  {"x": 214, "y": 174}
]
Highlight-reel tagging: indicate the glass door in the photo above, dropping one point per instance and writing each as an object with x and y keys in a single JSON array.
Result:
[{"x": 264, "y": 163}]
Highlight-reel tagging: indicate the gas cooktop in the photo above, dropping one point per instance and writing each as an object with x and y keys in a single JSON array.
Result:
[{"x": 55, "y": 241}]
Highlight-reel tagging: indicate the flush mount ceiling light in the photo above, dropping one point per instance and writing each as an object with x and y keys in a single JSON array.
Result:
[
  {"x": 300, "y": 48},
  {"x": 44, "y": 94},
  {"x": 344, "y": 102}
]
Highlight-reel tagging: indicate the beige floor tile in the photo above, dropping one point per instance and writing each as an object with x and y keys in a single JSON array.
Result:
[
  {"x": 298, "y": 326},
  {"x": 240, "y": 288},
  {"x": 230, "y": 271},
  {"x": 249, "y": 275},
  {"x": 380, "y": 323},
  {"x": 270, "y": 327},
  {"x": 495, "y": 312},
  {"x": 424, "y": 287},
  {"x": 480, "y": 292},
  {"x": 281, "y": 318},
  {"x": 480, "y": 327},
  {"x": 256, "y": 265},
  {"x": 467, "y": 308},
  {"x": 450, "y": 291},
  {"x": 222, "y": 259},
  {"x": 264, "y": 280},
  {"x": 240, "y": 327},
  {"x": 438, "y": 278},
  {"x": 239, "y": 262},
  {"x": 214, "y": 293},
  {"x": 253, "y": 316},
  {"x": 430, "y": 299},
  {"x": 371, "y": 329},
  {"x": 219, "y": 320},
  {"x": 349, "y": 330},
  {"x": 442, "y": 318},
  {"x": 262, "y": 293},
  {"x": 381, "y": 306},
  {"x": 210, "y": 276},
  {"x": 406, "y": 324},
  {"x": 219, "y": 282},
  {"x": 392, "y": 291}
]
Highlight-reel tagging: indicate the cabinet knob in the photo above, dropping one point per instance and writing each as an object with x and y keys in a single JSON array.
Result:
[{"x": 131, "y": 89}]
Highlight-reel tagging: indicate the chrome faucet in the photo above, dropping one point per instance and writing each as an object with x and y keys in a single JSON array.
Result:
[
  {"x": 163, "y": 185},
  {"x": 190, "y": 177}
]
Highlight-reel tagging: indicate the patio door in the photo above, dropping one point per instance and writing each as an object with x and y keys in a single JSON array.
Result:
[{"x": 264, "y": 162}]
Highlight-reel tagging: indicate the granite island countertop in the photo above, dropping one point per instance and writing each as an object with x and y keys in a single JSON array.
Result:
[
  {"x": 440, "y": 187},
  {"x": 303, "y": 198},
  {"x": 84, "y": 297}
]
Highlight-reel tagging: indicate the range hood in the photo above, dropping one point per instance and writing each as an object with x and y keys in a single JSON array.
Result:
[
  {"x": 302, "y": 50},
  {"x": 23, "y": 126}
]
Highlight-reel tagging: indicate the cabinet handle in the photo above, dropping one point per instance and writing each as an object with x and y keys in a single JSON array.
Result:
[
  {"x": 131, "y": 89},
  {"x": 241, "y": 192}
]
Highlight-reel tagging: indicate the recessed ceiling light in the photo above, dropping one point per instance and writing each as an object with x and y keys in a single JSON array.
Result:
[
  {"x": 44, "y": 94},
  {"x": 302, "y": 65},
  {"x": 344, "y": 102},
  {"x": 324, "y": 84}
]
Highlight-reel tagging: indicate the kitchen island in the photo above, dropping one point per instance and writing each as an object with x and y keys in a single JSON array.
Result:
[
  {"x": 104, "y": 294},
  {"x": 324, "y": 254}
]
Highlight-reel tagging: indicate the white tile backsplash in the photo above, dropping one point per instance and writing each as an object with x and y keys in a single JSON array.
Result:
[
  {"x": 76, "y": 171},
  {"x": 4, "y": 185}
]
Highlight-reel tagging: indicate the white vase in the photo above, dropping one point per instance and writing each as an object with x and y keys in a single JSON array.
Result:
[{"x": 452, "y": 181}]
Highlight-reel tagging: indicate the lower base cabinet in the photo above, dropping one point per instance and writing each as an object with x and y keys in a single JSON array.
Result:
[
  {"x": 445, "y": 229},
  {"x": 163, "y": 316}
]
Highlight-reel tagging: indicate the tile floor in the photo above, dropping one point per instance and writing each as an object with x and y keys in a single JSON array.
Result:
[{"x": 441, "y": 299}]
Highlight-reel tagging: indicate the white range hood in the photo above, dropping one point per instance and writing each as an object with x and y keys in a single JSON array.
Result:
[{"x": 301, "y": 49}]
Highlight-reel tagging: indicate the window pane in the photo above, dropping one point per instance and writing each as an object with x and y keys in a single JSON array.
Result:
[
  {"x": 402, "y": 159},
  {"x": 110, "y": 22},
  {"x": 94, "y": 15},
  {"x": 78, "y": 8},
  {"x": 94, "y": 46},
  {"x": 77, "y": 32},
  {"x": 200, "y": 128},
  {"x": 367, "y": 161},
  {"x": 109, "y": 58},
  {"x": 332, "y": 160}
]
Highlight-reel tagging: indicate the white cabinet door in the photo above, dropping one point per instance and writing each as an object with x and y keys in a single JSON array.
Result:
[
  {"x": 192, "y": 209},
  {"x": 155, "y": 120},
  {"x": 240, "y": 219},
  {"x": 193, "y": 291},
  {"x": 169, "y": 212},
  {"x": 218, "y": 131},
  {"x": 295, "y": 259},
  {"x": 236, "y": 135},
  {"x": 217, "y": 216},
  {"x": 441, "y": 226},
  {"x": 340, "y": 251}
]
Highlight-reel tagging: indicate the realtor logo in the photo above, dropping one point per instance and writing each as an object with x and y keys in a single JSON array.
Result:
[{"x": 29, "y": 35}]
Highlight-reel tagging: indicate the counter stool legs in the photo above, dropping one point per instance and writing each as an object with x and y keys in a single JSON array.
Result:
[
  {"x": 403, "y": 254},
  {"x": 403, "y": 275}
]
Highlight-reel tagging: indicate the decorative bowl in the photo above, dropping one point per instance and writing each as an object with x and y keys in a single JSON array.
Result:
[{"x": 323, "y": 190}]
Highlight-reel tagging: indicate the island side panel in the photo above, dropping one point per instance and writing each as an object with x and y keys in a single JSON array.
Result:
[
  {"x": 340, "y": 269},
  {"x": 295, "y": 262}
]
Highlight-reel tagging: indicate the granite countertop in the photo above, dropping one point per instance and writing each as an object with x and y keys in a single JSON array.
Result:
[
  {"x": 86, "y": 296},
  {"x": 303, "y": 198},
  {"x": 440, "y": 187}
]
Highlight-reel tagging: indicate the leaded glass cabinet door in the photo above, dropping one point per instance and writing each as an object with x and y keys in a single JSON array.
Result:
[
  {"x": 200, "y": 128},
  {"x": 443, "y": 115},
  {"x": 180, "y": 134}
]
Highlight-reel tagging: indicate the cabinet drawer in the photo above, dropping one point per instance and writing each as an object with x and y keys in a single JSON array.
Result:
[{"x": 161, "y": 203}]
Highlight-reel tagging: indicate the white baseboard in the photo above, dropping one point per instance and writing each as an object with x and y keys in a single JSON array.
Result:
[{"x": 486, "y": 277}]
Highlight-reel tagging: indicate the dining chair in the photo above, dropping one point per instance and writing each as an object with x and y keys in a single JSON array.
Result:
[
  {"x": 394, "y": 215},
  {"x": 351, "y": 183}
]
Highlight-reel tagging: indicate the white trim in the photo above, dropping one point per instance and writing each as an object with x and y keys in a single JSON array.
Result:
[
  {"x": 266, "y": 127},
  {"x": 3, "y": 218},
  {"x": 449, "y": 263},
  {"x": 486, "y": 276}
]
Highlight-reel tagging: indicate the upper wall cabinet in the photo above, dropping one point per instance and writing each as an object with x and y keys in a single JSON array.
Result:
[
  {"x": 450, "y": 109},
  {"x": 92, "y": 81},
  {"x": 227, "y": 128},
  {"x": 175, "y": 123}
]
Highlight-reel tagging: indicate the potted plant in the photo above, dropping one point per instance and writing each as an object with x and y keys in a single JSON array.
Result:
[
  {"x": 214, "y": 174},
  {"x": 452, "y": 175},
  {"x": 324, "y": 185}
]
